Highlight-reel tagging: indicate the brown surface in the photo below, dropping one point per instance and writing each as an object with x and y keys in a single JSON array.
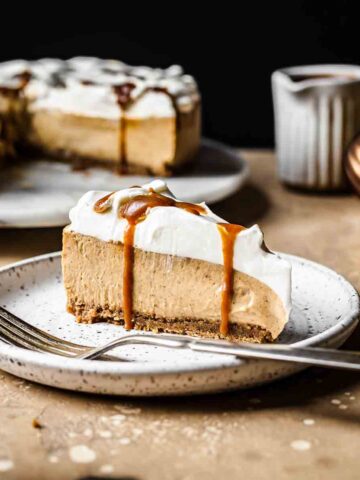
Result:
[
  {"x": 244, "y": 435},
  {"x": 94, "y": 284}
]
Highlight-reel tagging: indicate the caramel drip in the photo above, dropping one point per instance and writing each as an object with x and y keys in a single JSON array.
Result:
[
  {"x": 123, "y": 96},
  {"x": 128, "y": 275},
  {"x": 103, "y": 205},
  {"x": 135, "y": 211},
  {"x": 228, "y": 234},
  {"x": 24, "y": 78},
  {"x": 88, "y": 83},
  {"x": 10, "y": 92},
  {"x": 15, "y": 92}
]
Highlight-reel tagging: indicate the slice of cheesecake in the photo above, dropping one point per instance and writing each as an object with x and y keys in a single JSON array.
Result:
[
  {"x": 100, "y": 112},
  {"x": 142, "y": 258}
]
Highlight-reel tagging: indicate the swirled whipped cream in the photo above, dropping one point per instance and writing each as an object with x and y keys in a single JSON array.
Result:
[
  {"x": 175, "y": 231},
  {"x": 85, "y": 86}
]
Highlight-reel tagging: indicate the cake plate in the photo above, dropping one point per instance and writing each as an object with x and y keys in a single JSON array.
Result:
[
  {"x": 325, "y": 312},
  {"x": 40, "y": 193}
]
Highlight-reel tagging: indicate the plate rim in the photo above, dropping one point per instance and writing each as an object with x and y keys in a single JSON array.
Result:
[
  {"x": 124, "y": 369},
  {"x": 55, "y": 221}
]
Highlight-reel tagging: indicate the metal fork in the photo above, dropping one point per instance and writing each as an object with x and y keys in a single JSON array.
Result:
[{"x": 17, "y": 332}]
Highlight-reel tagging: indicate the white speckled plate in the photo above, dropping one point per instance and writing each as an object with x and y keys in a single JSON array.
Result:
[
  {"x": 40, "y": 193},
  {"x": 326, "y": 310}
]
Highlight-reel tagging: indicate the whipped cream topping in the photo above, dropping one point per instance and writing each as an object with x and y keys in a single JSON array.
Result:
[
  {"x": 175, "y": 231},
  {"x": 85, "y": 85}
]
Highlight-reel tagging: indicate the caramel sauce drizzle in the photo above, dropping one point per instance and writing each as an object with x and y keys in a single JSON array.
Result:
[
  {"x": 124, "y": 100},
  {"x": 123, "y": 96},
  {"x": 24, "y": 78},
  {"x": 103, "y": 205},
  {"x": 135, "y": 211},
  {"x": 228, "y": 233},
  {"x": 14, "y": 92},
  {"x": 128, "y": 275}
]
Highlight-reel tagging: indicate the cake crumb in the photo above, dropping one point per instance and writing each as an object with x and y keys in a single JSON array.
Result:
[
  {"x": 128, "y": 410},
  {"x": 6, "y": 464},
  {"x": 117, "y": 418},
  {"x": 106, "y": 469},
  {"x": 82, "y": 454},
  {"x": 124, "y": 441},
  {"x": 53, "y": 459},
  {"x": 300, "y": 445},
  {"x": 335, "y": 401},
  {"x": 308, "y": 422},
  {"x": 36, "y": 423}
]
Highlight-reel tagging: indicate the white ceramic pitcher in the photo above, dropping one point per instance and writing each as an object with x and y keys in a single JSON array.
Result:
[{"x": 317, "y": 113}]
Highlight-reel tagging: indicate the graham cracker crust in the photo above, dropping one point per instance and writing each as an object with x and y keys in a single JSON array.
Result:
[{"x": 186, "y": 326}]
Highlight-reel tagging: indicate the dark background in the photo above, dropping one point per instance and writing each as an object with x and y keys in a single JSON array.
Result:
[{"x": 231, "y": 48}]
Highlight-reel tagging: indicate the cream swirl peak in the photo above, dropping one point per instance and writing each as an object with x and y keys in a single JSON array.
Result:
[{"x": 177, "y": 231}]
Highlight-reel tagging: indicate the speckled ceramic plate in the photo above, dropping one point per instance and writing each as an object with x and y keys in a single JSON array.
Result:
[
  {"x": 40, "y": 193},
  {"x": 325, "y": 312}
]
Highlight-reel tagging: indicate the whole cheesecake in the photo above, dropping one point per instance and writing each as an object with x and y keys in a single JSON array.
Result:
[
  {"x": 91, "y": 111},
  {"x": 141, "y": 258}
]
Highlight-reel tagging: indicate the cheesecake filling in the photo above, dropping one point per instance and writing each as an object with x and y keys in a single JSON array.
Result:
[{"x": 151, "y": 219}]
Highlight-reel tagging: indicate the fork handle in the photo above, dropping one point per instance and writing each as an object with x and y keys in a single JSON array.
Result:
[{"x": 321, "y": 357}]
